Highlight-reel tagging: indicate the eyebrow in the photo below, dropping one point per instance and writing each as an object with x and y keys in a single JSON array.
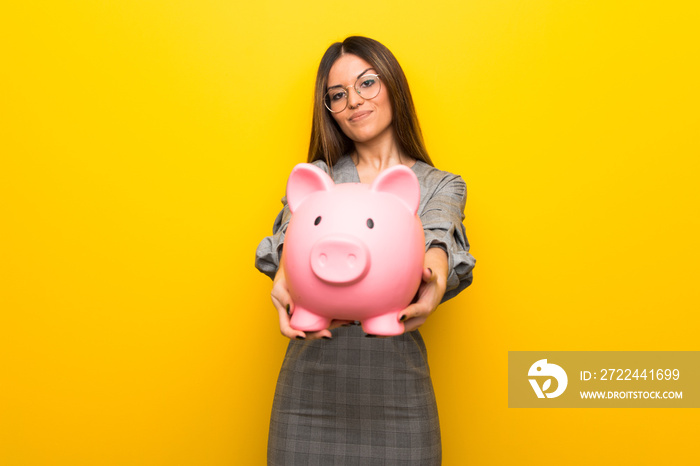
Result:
[{"x": 358, "y": 77}]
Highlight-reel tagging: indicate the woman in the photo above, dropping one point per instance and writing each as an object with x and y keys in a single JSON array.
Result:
[{"x": 352, "y": 399}]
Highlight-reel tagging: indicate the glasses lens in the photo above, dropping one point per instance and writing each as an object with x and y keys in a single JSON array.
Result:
[
  {"x": 368, "y": 86},
  {"x": 336, "y": 100}
]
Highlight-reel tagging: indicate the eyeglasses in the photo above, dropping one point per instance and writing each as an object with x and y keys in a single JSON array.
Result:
[{"x": 367, "y": 87}]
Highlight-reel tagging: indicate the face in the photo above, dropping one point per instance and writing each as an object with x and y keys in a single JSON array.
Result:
[{"x": 362, "y": 120}]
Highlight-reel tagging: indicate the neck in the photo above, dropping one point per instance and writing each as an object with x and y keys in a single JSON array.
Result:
[
  {"x": 372, "y": 157},
  {"x": 380, "y": 153}
]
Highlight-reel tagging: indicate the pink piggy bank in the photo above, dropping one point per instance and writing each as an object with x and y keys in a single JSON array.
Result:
[{"x": 353, "y": 251}]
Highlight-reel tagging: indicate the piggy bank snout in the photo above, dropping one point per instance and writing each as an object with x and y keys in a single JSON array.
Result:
[{"x": 339, "y": 259}]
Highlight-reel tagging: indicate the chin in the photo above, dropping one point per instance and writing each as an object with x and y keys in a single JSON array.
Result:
[{"x": 367, "y": 136}]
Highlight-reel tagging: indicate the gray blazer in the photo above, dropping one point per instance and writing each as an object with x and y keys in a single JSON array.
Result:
[{"x": 441, "y": 210}]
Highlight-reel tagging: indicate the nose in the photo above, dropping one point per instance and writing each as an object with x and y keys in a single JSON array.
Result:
[
  {"x": 340, "y": 259},
  {"x": 354, "y": 98}
]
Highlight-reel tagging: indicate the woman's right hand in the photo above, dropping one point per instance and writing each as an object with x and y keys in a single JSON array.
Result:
[
  {"x": 285, "y": 307},
  {"x": 283, "y": 303}
]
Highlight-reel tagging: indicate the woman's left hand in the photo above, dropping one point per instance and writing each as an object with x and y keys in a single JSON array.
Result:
[{"x": 430, "y": 292}]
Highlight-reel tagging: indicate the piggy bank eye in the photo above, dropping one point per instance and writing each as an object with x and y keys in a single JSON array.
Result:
[
  {"x": 318, "y": 220},
  {"x": 370, "y": 223}
]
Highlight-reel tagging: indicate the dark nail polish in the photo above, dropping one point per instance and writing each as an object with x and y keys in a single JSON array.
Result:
[
  {"x": 402, "y": 318},
  {"x": 431, "y": 271},
  {"x": 299, "y": 337},
  {"x": 369, "y": 335},
  {"x": 326, "y": 338},
  {"x": 288, "y": 310}
]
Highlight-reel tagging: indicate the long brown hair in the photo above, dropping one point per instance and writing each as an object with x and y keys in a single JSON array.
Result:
[{"x": 328, "y": 142}]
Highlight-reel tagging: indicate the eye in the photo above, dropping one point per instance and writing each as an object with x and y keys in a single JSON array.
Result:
[
  {"x": 318, "y": 220},
  {"x": 368, "y": 82},
  {"x": 370, "y": 223},
  {"x": 339, "y": 95}
]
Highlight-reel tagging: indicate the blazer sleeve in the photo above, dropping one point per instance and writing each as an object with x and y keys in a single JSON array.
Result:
[
  {"x": 442, "y": 219},
  {"x": 269, "y": 251}
]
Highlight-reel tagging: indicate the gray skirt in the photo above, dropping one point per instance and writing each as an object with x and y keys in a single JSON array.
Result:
[{"x": 355, "y": 400}]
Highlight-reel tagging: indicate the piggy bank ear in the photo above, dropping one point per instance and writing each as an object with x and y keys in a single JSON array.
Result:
[
  {"x": 304, "y": 180},
  {"x": 402, "y": 182}
]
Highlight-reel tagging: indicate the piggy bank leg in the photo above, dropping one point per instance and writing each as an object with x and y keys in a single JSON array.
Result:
[
  {"x": 307, "y": 321},
  {"x": 385, "y": 325}
]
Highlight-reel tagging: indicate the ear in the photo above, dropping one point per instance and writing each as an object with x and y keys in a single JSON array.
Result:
[
  {"x": 306, "y": 179},
  {"x": 401, "y": 182}
]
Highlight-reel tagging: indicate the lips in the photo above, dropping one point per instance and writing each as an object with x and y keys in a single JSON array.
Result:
[{"x": 360, "y": 115}]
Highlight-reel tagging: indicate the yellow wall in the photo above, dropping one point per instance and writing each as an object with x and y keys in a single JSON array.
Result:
[{"x": 144, "y": 148}]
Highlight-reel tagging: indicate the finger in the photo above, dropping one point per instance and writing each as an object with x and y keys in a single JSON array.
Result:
[
  {"x": 285, "y": 311},
  {"x": 282, "y": 306},
  {"x": 412, "y": 324},
  {"x": 289, "y": 332},
  {"x": 414, "y": 310},
  {"x": 326, "y": 334},
  {"x": 282, "y": 300},
  {"x": 321, "y": 334},
  {"x": 286, "y": 328},
  {"x": 282, "y": 310},
  {"x": 428, "y": 274}
]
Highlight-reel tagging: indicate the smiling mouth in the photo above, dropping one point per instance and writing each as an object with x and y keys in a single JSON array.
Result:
[{"x": 359, "y": 115}]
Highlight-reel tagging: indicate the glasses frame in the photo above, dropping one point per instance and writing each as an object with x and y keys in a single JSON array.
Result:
[{"x": 354, "y": 86}]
